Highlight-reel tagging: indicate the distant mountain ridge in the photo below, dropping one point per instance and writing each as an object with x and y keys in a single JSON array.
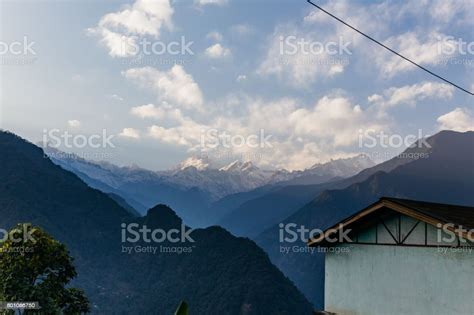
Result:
[
  {"x": 253, "y": 212},
  {"x": 195, "y": 184},
  {"x": 217, "y": 275},
  {"x": 444, "y": 174}
]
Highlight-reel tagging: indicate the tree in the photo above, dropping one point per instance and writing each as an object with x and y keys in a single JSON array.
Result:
[{"x": 35, "y": 267}]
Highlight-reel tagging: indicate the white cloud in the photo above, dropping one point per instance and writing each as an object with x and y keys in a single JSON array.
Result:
[
  {"x": 118, "y": 45},
  {"x": 297, "y": 66},
  {"x": 241, "y": 77},
  {"x": 115, "y": 97},
  {"x": 130, "y": 133},
  {"x": 427, "y": 45},
  {"x": 432, "y": 49},
  {"x": 210, "y": 2},
  {"x": 334, "y": 118},
  {"x": 300, "y": 136},
  {"x": 451, "y": 10},
  {"x": 74, "y": 123},
  {"x": 119, "y": 31},
  {"x": 187, "y": 133},
  {"x": 163, "y": 112},
  {"x": 372, "y": 18},
  {"x": 175, "y": 85},
  {"x": 460, "y": 119},
  {"x": 217, "y": 51},
  {"x": 215, "y": 35},
  {"x": 411, "y": 94},
  {"x": 242, "y": 29},
  {"x": 171, "y": 135}
]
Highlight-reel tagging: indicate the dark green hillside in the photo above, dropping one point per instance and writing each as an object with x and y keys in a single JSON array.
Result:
[{"x": 221, "y": 274}]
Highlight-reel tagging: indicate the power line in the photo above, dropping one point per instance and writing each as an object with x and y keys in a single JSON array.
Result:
[{"x": 389, "y": 49}]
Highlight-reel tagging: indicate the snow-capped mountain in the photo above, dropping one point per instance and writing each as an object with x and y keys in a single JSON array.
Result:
[
  {"x": 323, "y": 172},
  {"x": 343, "y": 167},
  {"x": 218, "y": 181},
  {"x": 196, "y": 182},
  {"x": 198, "y": 163}
]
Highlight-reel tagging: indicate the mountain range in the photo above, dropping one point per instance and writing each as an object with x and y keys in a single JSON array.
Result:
[
  {"x": 442, "y": 172},
  {"x": 438, "y": 169},
  {"x": 196, "y": 186},
  {"x": 217, "y": 274}
]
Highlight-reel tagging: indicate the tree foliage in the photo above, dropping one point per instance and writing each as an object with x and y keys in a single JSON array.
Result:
[{"x": 34, "y": 267}]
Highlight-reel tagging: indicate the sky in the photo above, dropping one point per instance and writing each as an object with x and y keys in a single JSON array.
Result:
[{"x": 152, "y": 83}]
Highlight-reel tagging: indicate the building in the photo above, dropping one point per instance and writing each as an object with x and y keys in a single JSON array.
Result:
[{"x": 400, "y": 257}]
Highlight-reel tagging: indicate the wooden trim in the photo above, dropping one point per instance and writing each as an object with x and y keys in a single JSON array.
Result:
[{"x": 378, "y": 205}]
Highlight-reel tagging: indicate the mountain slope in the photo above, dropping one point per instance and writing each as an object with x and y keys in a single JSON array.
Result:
[
  {"x": 256, "y": 215},
  {"x": 221, "y": 274},
  {"x": 196, "y": 186},
  {"x": 446, "y": 175},
  {"x": 255, "y": 211},
  {"x": 249, "y": 214}
]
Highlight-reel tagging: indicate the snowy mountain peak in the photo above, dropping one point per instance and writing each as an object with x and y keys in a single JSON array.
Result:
[
  {"x": 360, "y": 160},
  {"x": 238, "y": 166},
  {"x": 230, "y": 167},
  {"x": 200, "y": 164},
  {"x": 248, "y": 167}
]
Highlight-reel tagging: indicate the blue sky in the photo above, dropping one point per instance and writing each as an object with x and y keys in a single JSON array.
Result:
[{"x": 242, "y": 78}]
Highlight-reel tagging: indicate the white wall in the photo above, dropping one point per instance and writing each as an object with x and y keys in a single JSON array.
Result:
[{"x": 384, "y": 279}]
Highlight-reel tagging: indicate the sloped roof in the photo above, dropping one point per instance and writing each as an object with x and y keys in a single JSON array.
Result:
[
  {"x": 429, "y": 212},
  {"x": 458, "y": 215}
]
